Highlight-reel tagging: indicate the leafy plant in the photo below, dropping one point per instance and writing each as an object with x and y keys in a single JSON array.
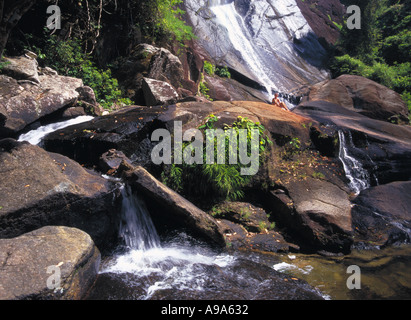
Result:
[
  {"x": 167, "y": 15},
  {"x": 216, "y": 180},
  {"x": 203, "y": 88},
  {"x": 68, "y": 59},
  {"x": 223, "y": 72},
  {"x": 209, "y": 68}
]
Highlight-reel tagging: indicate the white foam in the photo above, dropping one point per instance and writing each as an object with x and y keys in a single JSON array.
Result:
[{"x": 35, "y": 136}]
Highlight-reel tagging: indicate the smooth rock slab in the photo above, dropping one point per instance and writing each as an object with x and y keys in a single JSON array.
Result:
[
  {"x": 29, "y": 264},
  {"x": 41, "y": 189}
]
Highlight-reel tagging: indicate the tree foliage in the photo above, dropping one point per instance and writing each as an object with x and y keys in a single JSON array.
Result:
[{"x": 381, "y": 49}]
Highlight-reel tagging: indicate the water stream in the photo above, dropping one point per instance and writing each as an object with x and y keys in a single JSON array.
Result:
[
  {"x": 239, "y": 36},
  {"x": 147, "y": 267},
  {"x": 35, "y": 136},
  {"x": 359, "y": 178}
]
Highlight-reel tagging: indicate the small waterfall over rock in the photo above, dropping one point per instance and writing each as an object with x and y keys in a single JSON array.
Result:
[
  {"x": 359, "y": 177},
  {"x": 150, "y": 266},
  {"x": 136, "y": 228},
  {"x": 35, "y": 136}
]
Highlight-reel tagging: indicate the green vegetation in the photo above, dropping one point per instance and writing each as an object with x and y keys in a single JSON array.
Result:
[
  {"x": 167, "y": 17},
  {"x": 3, "y": 63},
  {"x": 204, "y": 89},
  {"x": 215, "y": 180},
  {"x": 77, "y": 50},
  {"x": 212, "y": 70},
  {"x": 318, "y": 175},
  {"x": 264, "y": 226},
  {"x": 209, "y": 68},
  {"x": 67, "y": 58},
  {"x": 381, "y": 49},
  {"x": 223, "y": 72}
]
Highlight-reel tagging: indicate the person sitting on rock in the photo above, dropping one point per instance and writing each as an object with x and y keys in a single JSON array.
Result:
[{"x": 278, "y": 103}]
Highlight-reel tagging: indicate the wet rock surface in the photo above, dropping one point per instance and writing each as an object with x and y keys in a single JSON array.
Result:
[
  {"x": 381, "y": 215},
  {"x": 361, "y": 95},
  {"x": 377, "y": 144}
]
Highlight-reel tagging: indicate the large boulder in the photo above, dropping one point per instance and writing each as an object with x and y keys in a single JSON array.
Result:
[
  {"x": 21, "y": 68},
  {"x": 45, "y": 189},
  {"x": 317, "y": 211},
  {"x": 382, "y": 215},
  {"x": 158, "y": 92},
  {"x": 361, "y": 95},
  {"x": 25, "y": 102},
  {"x": 52, "y": 263},
  {"x": 147, "y": 61},
  {"x": 28, "y": 93}
]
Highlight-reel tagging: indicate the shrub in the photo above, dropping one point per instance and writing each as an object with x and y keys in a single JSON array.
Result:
[
  {"x": 223, "y": 72},
  {"x": 215, "y": 180},
  {"x": 209, "y": 68},
  {"x": 168, "y": 17},
  {"x": 68, "y": 59}
]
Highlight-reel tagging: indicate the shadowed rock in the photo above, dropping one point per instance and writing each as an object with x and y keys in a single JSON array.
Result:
[
  {"x": 33, "y": 265},
  {"x": 45, "y": 189}
]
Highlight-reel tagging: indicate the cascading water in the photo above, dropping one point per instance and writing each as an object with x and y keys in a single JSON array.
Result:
[
  {"x": 136, "y": 228},
  {"x": 267, "y": 41},
  {"x": 359, "y": 177},
  {"x": 227, "y": 16},
  {"x": 35, "y": 136},
  {"x": 174, "y": 265}
]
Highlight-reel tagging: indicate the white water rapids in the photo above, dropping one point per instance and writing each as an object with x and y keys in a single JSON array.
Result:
[{"x": 172, "y": 264}]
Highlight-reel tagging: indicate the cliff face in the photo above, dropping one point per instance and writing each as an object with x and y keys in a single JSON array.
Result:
[
  {"x": 323, "y": 16},
  {"x": 267, "y": 41}
]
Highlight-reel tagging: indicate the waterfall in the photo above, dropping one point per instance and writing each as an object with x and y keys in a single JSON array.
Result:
[
  {"x": 149, "y": 266},
  {"x": 239, "y": 36},
  {"x": 136, "y": 228},
  {"x": 359, "y": 177},
  {"x": 267, "y": 41},
  {"x": 35, "y": 136}
]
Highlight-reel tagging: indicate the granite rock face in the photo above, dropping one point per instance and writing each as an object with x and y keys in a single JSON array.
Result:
[
  {"x": 46, "y": 189},
  {"x": 51, "y": 263}
]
